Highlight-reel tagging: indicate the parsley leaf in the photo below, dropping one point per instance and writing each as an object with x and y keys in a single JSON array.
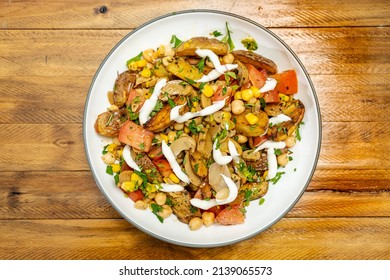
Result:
[
  {"x": 277, "y": 177},
  {"x": 228, "y": 38},
  {"x": 216, "y": 33},
  {"x": 135, "y": 58},
  {"x": 156, "y": 209},
  {"x": 175, "y": 41},
  {"x": 157, "y": 108}
]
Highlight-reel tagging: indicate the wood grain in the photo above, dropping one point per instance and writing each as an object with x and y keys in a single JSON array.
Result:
[
  {"x": 116, "y": 239},
  {"x": 130, "y": 14}
]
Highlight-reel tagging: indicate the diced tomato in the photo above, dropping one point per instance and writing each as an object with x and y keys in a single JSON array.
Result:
[
  {"x": 258, "y": 140},
  {"x": 136, "y": 136},
  {"x": 133, "y": 94},
  {"x": 271, "y": 96},
  {"x": 216, "y": 209},
  {"x": 163, "y": 166},
  {"x": 256, "y": 77},
  {"x": 287, "y": 82},
  {"x": 136, "y": 195},
  {"x": 231, "y": 215},
  {"x": 221, "y": 94},
  {"x": 155, "y": 152}
]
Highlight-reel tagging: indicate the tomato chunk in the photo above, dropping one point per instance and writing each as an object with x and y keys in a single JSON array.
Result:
[
  {"x": 136, "y": 136},
  {"x": 136, "y": 195},
  {"x": 287, "y": 82},
  {"x": 256, "y": 77},
  {"x": 231, "y": 215},
  {"x": 163, "y": 166},
  {"x": 258, "y": 140},
  {"x": 155, "y": 152},
  {"x": 271, "y": 96}
]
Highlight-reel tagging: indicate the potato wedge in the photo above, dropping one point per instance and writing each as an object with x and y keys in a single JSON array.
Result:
[
  {"x": 189, "y": 47},
  {"x": 185, "y": 71},
  {"x": 257, "y": 129},
  {"x": 256, "y": 60}
]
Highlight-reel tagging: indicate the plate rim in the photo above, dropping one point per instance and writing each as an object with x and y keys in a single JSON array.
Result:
[{"x": 228, "y": 14}]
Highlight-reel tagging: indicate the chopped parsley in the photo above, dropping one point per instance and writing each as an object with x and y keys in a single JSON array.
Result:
[
  {"x": 109, "y": 170},
  {"x": 250, "y": 44},
  {"x": 261, "y": 201},
  {"x": 171, "y": 103},
  {"x": 194, "y": 128},
  {"x": 135, "y": 58},
  {"x": 228, "y": 38},
  {"x": 200, "y": 64},
  {"x": 156, "y": 209},
  {"x": 277, "y": 177},
  {"x": 105, "y": 149},
  {"x": 157, "y": 108},
  {"x": 175, "y": 41},
  {"x": 297, "y": 133},
  {"x": 216, "y": 33},
  {"x": 220, "y": 135}
]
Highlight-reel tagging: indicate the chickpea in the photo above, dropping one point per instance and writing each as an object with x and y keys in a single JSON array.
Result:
[
  {"x": 282, "y": 159},
  {"x": 178, "y": 126},
  {"x": 238, "y": 107},
  {"x": 228, "y": 59},
  {"x": 160, "y": 198},
  {"x": 290, "y": 141},
  {"x": 222, "y": 193},
  {"x": 108, "y": 158},
  {"x": 208, "y": 218},
  {"x": 241, "y": 139},
  {"x": 195, "y": 223},
  {"x": 140, "y": 205},
  {"x": 165, "y": 212}
]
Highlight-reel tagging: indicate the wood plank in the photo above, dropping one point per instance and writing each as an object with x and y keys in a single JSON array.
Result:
[
  {"x": 36, "y": 99},
  {"x": 55, "y": 195},
  {"x": 125, "y": 14},
  {"x": 57, "y": 52},
  {"x": 333, "y": 238},
  {"x": 61, "y": 146}
]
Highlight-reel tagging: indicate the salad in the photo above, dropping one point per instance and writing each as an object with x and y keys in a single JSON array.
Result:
[{"x": 200, "y": 129}]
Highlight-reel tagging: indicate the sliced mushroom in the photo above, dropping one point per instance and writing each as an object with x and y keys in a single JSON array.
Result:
[
  {"x": 215, "y": 179},
  {"x": 195, "y": 180},
  {"x": 174, "y": 88},
  {"x": 257, "y": 189},
  {"x": 183, "y": 143},
  {"x": 243, "y": 74},
  {"x": 109, "y": 123}
]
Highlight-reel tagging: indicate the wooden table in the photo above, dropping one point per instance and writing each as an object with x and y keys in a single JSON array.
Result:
[{"x": 50, "y": 207}]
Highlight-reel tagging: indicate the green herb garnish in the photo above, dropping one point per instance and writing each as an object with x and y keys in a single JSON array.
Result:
[
  {"x": 216, "y": 33},
  {"x": 228, "y": 38},
  {"x": 135, "y": 58},
  {"x": 250, "y": 44},
  {"x": 175, "y": 41}
]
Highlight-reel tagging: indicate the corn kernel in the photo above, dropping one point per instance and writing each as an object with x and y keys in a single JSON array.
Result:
[
  {"x": 193, "y": 110},
  {"x": 147, "y": 95},
  {"x": 165, "y": 180},
  {"x": 116, "y": 167},
  {"x": 151, "y": 188},
  {"x": 141, "y": 63},
  {"x": 195, "y": 104},
  {"x": 251, "y": 118},
  {"x": 119, "y": 152},
  {"x": 164, "y": 137},
  {"x": 247, "y": 94},
  {"x": 174, "y": 178},
  {"x": 256, "y": 91},
  {"x": 208, "y": 91},
  {"x": 226, "y": 116},
  {"x": 136, "y": 179},
  {"x": 186, "y": 130},
  {"x": 111, "y": 148},
  {"x": 128, "y": 186},
  {"x": 283, "y": 97},
  {"x": 238, "y": 95},
  {"x": 132, "y": 66},
  {"x": 146, "y": 73}
]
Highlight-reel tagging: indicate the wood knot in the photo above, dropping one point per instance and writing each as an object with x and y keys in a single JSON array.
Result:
[{"x": 103, "y": 9}]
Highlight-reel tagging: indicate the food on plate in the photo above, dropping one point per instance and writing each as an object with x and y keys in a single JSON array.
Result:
[{"x": 198, "y": 129}]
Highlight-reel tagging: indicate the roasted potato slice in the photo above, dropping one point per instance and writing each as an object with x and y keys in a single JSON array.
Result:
[
  {"x": 257, "y": 129},
  {"x": 185, "y": 71},
  {"x": 189, "y": 47},
  {"x": 162, "y": 119},
  {"x": 257, "y": 60},
  {"x": 123, "y": 85},
  {"x": 109, "y": 123}
]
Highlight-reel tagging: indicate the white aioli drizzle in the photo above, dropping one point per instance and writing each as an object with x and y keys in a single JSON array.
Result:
[
  {"x": 270, "y": 84},
  {"x": 233, "y": 152},
  {"x": 218, "y": 157},
  {"x": 175, "y": 116},
  {"x": 150, "y": 103},
  {"x": 173, "y": 163},
  {"x": 219, "y": 69},
  {"x": 207, "y": 204},
  {"x": 171, "y": 188},
  {"x": 128, "y": 159},
  {"x": 271, "y": 157},
  {"x": 279, "y": 119}
]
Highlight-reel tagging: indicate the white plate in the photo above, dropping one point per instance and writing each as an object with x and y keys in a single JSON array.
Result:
[{"x": 280, "y": 198}]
